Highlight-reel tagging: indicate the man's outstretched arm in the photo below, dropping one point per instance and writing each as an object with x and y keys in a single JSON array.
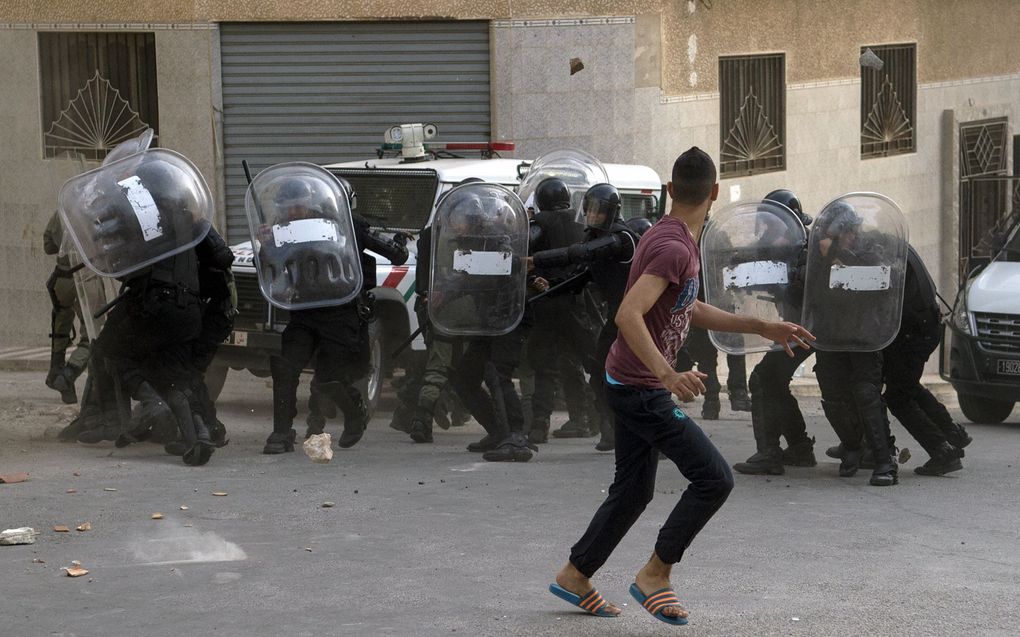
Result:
[{"x": 712, "y": 318}]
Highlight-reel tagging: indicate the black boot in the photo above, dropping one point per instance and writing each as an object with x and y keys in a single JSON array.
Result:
[
  {"x": 844, "y": 423},
  {"x": 420, "y": 430},
  {"x": 570, "y": 429},
  {"x": 767, "y": 462},
  {"x": 958, "y": 437},
  {"x": 710, "y": 408},
  {"x": 280, "y": 442},
  {"x": 514, "y": 448},
  {"x": 801, "y": 454},
  {"x": 402, "y": 417},
  {"x": 56, "y": 368},
  {"x": 739, "y": 400},
  {"x": 873, "y": 419},
  {"x": 64, "y": 383},
  {"x": 946, "y": 459},
  {"x": 539, "y": 433},
  {"x": 355, "y": 420}
]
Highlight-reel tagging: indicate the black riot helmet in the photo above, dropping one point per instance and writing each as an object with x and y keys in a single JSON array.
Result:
[
  {"x": 552, "y": 194},
  {"x": 790, "y": 200},
  {"x": 601, "y": 206},
  {"x": 352, "y": 194},
  {"x": 842, "y": 218},
  {"x": 639, "y": 225}
]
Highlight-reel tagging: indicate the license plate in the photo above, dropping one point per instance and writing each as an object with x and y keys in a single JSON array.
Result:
[
  {"x": 241, "y": 338},
  {"x": 1009, "y": 367}
]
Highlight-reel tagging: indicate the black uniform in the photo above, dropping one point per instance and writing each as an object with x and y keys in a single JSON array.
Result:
[
  {"x": 560, "y": 340},
  {"x": 920, "y": 413},
  {"x": 337, "y": 337},
  {"x": 607, "y": 256}
]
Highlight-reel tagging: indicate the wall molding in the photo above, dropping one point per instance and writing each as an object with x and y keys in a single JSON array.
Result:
[
  {"x": 112, "y": 26},
  {"x": 970, "y": 80},
  {"x": 563, "y": 22}
]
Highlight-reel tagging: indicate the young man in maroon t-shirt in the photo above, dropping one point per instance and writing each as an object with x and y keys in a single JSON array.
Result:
[{"x": 659, "y": 307}]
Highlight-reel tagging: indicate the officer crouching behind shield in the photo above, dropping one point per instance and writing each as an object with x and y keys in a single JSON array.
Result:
[{"x": 310, "y": 262}]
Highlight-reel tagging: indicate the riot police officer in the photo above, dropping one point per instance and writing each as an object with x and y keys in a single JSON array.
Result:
[
  {"x": 60, "y": 286},
  {"x": 606, "y": 254},
  {"x": 336, "y": 335},
  {"x": 774, "y": 410},
  {"x": 920, "y": 413},
  {"x": 560, "y": 339},
  {"x": 850, "y": 381}
]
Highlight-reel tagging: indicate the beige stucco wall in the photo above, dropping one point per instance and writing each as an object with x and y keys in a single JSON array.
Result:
[{"x": 821, "y": 37}]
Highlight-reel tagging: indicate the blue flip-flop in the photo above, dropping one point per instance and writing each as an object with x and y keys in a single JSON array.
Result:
[
  {"x": 592, "y": 602},
  {"x": 656, "y": 602}
]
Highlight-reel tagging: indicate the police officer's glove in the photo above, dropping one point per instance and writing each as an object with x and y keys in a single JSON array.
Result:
[{"x": 401, "y": 238}]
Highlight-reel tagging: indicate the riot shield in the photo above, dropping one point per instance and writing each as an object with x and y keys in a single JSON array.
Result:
[
  {"x": 130, "y": 213},
  {"x": 129, "y": 147},
  {"x": 856, "y": 268},
  {"x": 748, "y": 253},
  {"x": 578, "y": 170},
  {"x": 94, "y": 292},
  {"x": 478, "y": 272},
  {"x": 302, "y": 234}
]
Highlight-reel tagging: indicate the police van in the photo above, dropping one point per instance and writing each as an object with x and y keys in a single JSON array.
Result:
[
  {"x": 981, "y": 340},
  {"x": 397, "y": 192}
]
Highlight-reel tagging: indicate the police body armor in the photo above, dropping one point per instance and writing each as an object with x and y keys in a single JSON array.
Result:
[
  {"x": 303, "y": 236},
  {"x": 856, "y": 269},
  {"x": 749, "y": 254},
  {"x": 478, "y": 274}
]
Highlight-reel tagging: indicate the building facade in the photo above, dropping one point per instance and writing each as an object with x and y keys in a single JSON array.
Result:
[{"x": 783, "y": 93}]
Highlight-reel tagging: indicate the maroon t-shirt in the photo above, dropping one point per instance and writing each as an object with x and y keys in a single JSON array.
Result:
[{"x": 667, "y": 250}]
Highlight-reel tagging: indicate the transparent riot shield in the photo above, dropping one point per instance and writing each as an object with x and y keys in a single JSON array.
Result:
[
  {"x": 578, "y": 170},
  {"x": 302, "y": 234},
  {"x": 94, "y": 292},
  {"x": 748, "y": 253},
  {"x": 130, "y": 213},
  {"x": 129, "y": 147},
  {"x": 856, "y": 268},
  {"x": 479, "y": 274}
]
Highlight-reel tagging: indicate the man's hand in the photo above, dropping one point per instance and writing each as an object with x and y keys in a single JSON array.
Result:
[
  {"x": 531, "y": 263},
  {"x": 539, "y": 284},
  {"x": 783, "y": 333},
  {"x": 686, "y": 385}
]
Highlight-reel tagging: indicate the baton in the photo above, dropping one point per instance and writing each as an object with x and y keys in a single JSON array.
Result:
[
  {"x": 109, "y": 306},
  {"x": 557, "y": 287},
  {"x": 407, "y": 341}
]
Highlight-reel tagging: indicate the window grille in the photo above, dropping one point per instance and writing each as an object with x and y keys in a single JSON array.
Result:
[
  {"x": 752, "y": 103},
  {"x": 97, "y": 90},
  {"x": 889, "y": 101}
]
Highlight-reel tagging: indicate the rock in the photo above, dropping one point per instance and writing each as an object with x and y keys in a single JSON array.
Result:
[
  {"x": 60, "y": 528},
  {"x": 319, "y": 448},
  {"x": 219, "y": 493},
  {"x": 157, "y": 516},
  {"x": 75, "y": 569},
  {"x": 328, "y": 505},
  {"x": 21, "y": 535},
  {"x": 13, "y": 478},
  {"x": 86, "y": 526}
]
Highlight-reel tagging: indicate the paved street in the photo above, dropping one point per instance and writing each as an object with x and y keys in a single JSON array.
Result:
[{"x": 428, "y": 540}]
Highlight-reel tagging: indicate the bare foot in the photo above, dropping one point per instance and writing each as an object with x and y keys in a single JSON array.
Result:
[
  {"x": 574, "y": 581},
  {"x": 654, "y": 576}
]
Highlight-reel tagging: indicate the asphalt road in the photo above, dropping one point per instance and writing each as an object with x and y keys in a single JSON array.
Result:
[{"x": 428, "y": 540}]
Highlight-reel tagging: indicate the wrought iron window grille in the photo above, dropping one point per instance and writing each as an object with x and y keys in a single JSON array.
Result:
[
  {"x": 97, "y": 90},
  {"x": 752, "y": 103},
  {"x": 889, "y": 101}
]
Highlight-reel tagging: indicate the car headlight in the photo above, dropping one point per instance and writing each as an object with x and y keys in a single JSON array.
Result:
[{"x": 961, "y": 317}]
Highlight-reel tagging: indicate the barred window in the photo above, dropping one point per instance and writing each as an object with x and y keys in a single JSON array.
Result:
[
  {"x": 752, "y": 104},
  {"x": 97, "y": 90},
  {"x": 888, "y": 100}
]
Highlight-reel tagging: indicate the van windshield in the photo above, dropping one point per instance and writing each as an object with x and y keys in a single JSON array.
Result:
[
  {"x": 393, "y": 199},
  {"x": 1011, "y": 247}
]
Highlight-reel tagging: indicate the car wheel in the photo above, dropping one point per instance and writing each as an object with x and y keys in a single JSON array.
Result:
[
  {"x": 371, "y": 386},
  {"x": 979, "y": 409}
]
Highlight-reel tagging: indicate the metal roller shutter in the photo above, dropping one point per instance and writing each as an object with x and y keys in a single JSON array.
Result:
[{"x": 326, "y": 92}]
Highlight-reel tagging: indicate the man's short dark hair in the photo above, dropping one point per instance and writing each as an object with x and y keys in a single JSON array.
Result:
[{"x": 693, "y": 177}]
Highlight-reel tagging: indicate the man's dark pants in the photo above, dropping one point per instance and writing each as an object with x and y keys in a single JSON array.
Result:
[{"x": 647, "y": 422}]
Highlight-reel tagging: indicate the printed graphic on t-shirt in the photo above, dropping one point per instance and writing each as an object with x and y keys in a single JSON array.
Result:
[{"x": 675, "y": 332}]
